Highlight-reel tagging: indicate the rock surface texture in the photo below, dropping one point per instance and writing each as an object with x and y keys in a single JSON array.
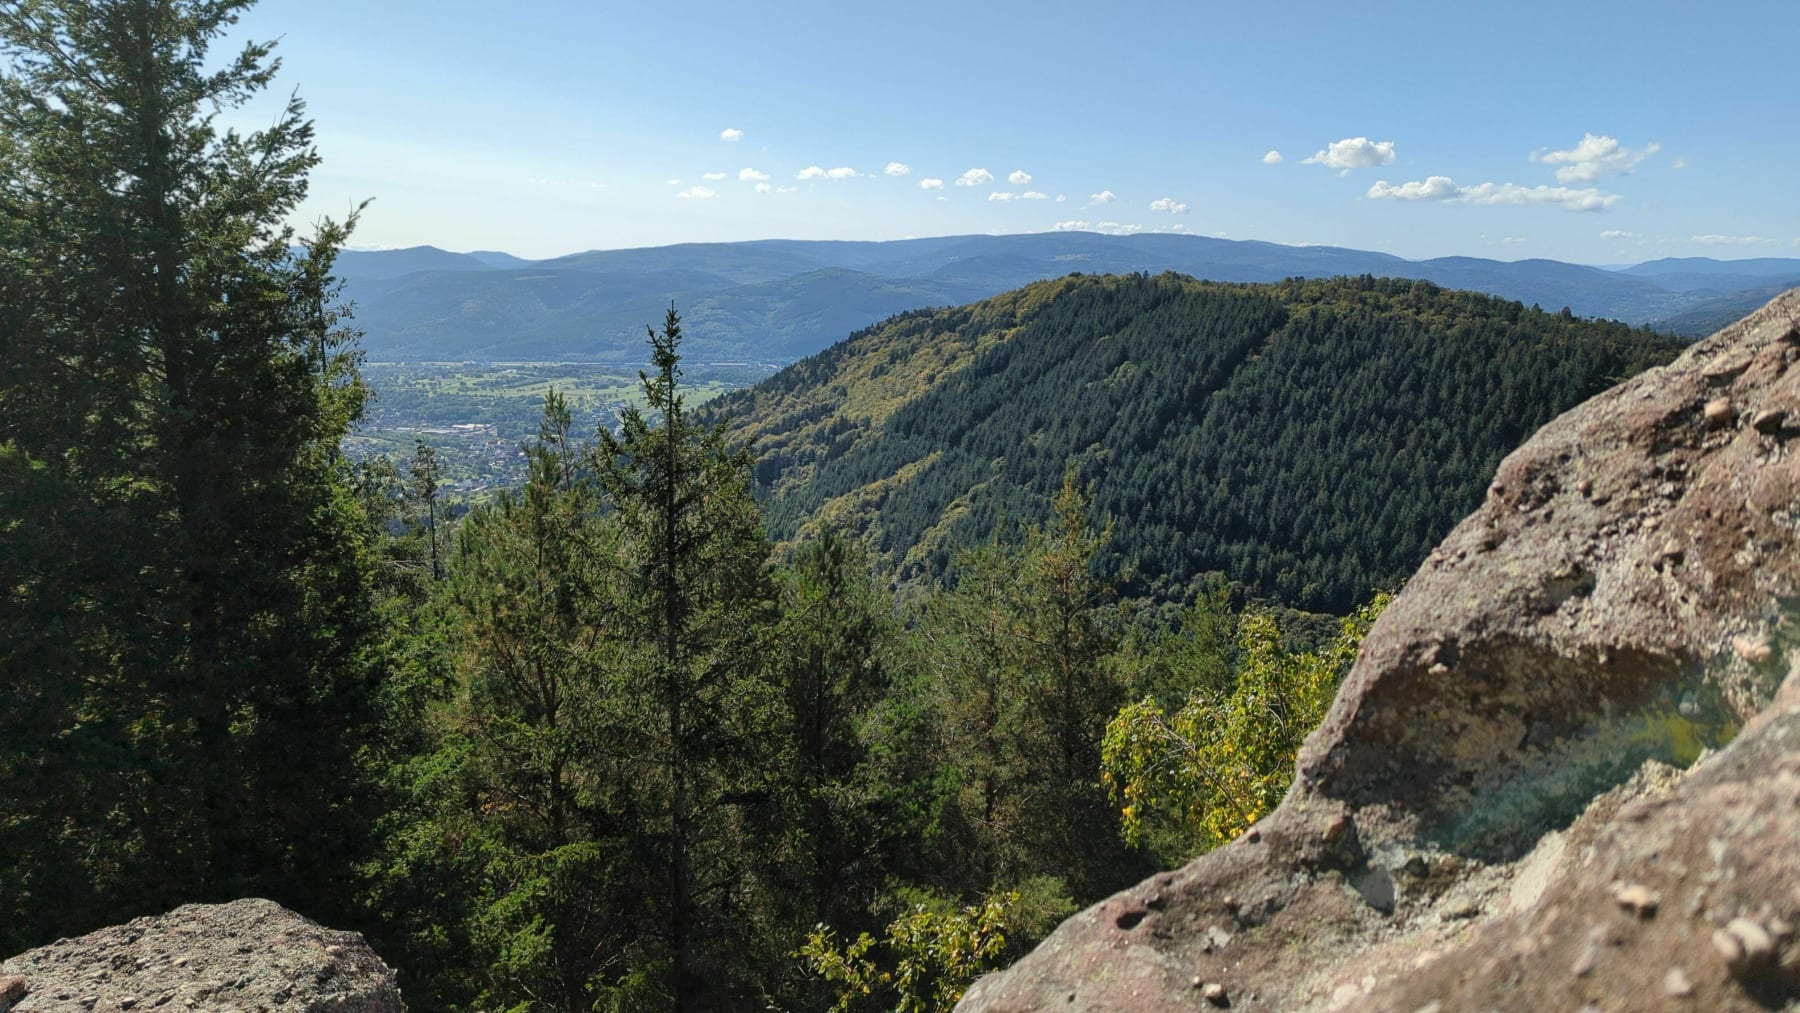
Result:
[
  {"x": 1495, "y": 814},
  {"x": 249, "y": 955}
]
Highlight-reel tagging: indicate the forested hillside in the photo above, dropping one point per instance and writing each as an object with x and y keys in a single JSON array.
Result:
[{"x": 1310, "y": 439}]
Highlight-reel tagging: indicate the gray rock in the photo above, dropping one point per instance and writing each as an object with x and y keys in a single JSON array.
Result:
[
  {"x": 1508, "y": 741},
  {"x": 245, "y": 955}
]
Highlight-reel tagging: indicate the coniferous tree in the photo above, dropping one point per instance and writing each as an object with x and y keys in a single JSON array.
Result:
[{"x": 185, "y": 582}]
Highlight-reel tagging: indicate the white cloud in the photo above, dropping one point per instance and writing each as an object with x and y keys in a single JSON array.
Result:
[
  {"x": 897, "y": 169},
  {"x": 1034, "y": 195},
  {"x": 1714, "y": 239},
  {"x": 975, "y": 177},
  {"x": 697, "y": 193},
  {"x": 816, "y": 172},
  {"x": 749, "y": 175},
  {"x": 931, "y": 184},
  {"x": 672, "y": 182},
  {"x": 1617, "y": 234},
  {"x": 811, "y": 172},
  {"x": 842, "y": 172},
  {"x": 1170, "y": 205},
  {"x": 1272, "y": 158},
  {"x": 1433, "y": 188},
  {"x": 1680, "y": 163},
  {"x": 1514, "y": 240},
  {"x": 1103, "y": 197},
  {"x": 732, "y": 134},
  {"x": 714, "y": 176},
  {"x": 1061, "y": 197},
  {"x": 1001, "y": 196},
  {"x": 943, "y": 198},
  {"x": 1072, "y": 226},
  {"x": 1116, "y": 229},
  {"x": 1352, "y": 153},
  {"x": 1019, "y": 177},
  {"x": 786, "y": 189},
  {"x": 1594, "y": 157},
  {"x": 762, "y": 188},
  {"x": 1443, "y": 188}
]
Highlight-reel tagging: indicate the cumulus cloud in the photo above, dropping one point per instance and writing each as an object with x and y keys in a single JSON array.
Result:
[
  {"x": 1617, "y": 234},
  {"x": 975, "y": 177},
  {"x": 1001, "y": 196},
  {"x": 697, "y": 193},
  {"x": 1061, "y": 197},
  {"x": 750, "y": 175},
  {"x": 1714, "y": 239},
  {"x": 816, "y": 172},
  {"x": 786, "y": 189},
  {"x": 762, "y": 188},
  {"x": 714, "y": 176},
  {"x": 1034, "y": 195},
  {"x": 929, "y": 183},
  {"x": 1019, "y": 177},
  {"x": 1117, "y": 229},
  {"x": 1443, "y": 188},
  {"x": 1352, "y": 153},
  {"x": 1680, "y": 163},
  {"x": 732, "y": 134},
  {"x": 672, "y": 182},
  {"x": 1594, "y": 157},
  {"x": 1272, "y": 158},
  {"x": 1169, "y": 205},
  {"x": 1073, "y": 226},
  {"x": 897, "y": 169},
  {"x": 1514, "y": 240},
  {"x": 1103, "y": 197}
]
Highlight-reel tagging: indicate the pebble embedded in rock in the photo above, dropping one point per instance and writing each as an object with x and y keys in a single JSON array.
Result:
[
  {"x": 1755, "y": 650},
  {"x": 1214, "y": 993},
  {"x": 1729, "y": 948},
  {"x": 1757, "y": 944},
  {"x": 1718, "y": 413},
  {"x": 1638, "y": 899},
  {"x": 1769, "y": 421},
  {"x": 1675, "y": 983}
]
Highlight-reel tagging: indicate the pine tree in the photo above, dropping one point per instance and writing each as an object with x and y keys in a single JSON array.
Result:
[{"x": 182, "y": 564}]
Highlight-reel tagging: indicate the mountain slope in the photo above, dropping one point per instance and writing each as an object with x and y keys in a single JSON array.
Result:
[{"x": 1309, "y": 439}]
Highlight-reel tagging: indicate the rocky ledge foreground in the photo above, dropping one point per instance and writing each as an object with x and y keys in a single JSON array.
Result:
[
  {"x": 249, "y": 955},
  {"x": 1499, "y": 811}
]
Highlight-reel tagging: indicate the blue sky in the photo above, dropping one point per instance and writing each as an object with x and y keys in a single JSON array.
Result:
[{"x": 1591, "y": 132}]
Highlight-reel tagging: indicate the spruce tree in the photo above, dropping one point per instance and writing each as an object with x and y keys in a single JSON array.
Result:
[{"x": 185, "y": 588}]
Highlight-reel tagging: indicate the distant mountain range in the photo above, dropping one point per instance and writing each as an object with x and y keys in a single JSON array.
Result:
[{"x": 775, "y": 301}]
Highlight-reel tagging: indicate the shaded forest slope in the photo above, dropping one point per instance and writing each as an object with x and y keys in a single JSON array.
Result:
[{"x": 1308, "y": 439}]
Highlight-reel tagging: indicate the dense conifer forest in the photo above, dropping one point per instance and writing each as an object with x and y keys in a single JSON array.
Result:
[
  {"x": 1310, "y": 440},
  {"x": 598, "y": 744}
]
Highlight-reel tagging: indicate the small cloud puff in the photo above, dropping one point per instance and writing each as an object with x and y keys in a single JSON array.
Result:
[
  {"x": 672, "y": 182},
  {"x": 975, "y": 177},
  {"x": 1617, "y": 234},
  {"x": 1714, "y": 239},
  {"x": 1034, "y": 195},
  {"x": 1594, "y": 157},
  {"x": 1680, "y": 163},
  {"x": 1170, "y": 205},
  {"x": 714, "y": 176},
  {"x": 750, "y": 175},
  {"x": 931, "y": 184},
  {"x": 697, "y": 193},
  {"x": 816, "y": 172},
  {"x": 731, "y": 134},
  {"x": 1352, "y": 153},
  {"x": 762, "y": 188},
  {"x": 897, "y": 169},
  {"x": 1103, "y": 197},
  {"x": 1272, "y": 158},
  {"x": 1019, "y": 177},
  {"x": 1001, "y": 196}
]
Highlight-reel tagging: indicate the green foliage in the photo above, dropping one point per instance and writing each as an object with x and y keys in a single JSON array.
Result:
[
  {"x": 1211, "y": 769},
  {"x": 925, "y": 961},
  {"x": 1306, "y": 439},
  {"x": 187, "y": 611}
]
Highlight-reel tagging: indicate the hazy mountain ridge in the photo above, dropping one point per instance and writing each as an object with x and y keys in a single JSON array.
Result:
[{"x": 778, "y": 300}]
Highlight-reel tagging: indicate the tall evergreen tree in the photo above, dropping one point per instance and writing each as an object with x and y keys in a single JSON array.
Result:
[{"x": 185, "y": 589}]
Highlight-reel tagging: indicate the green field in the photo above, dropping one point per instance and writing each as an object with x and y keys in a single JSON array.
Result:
[{"x": 476, "y": 414}]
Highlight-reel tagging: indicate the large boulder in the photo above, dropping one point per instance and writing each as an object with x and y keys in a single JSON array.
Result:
[
  {"x": 1503, "y": 809},
  {"x": 246, "y": 955}
]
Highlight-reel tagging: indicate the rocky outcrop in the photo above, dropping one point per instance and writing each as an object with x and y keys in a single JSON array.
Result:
[
  {"x": 1503, "y": 809},
  {"x": 246, "y": 955}
]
